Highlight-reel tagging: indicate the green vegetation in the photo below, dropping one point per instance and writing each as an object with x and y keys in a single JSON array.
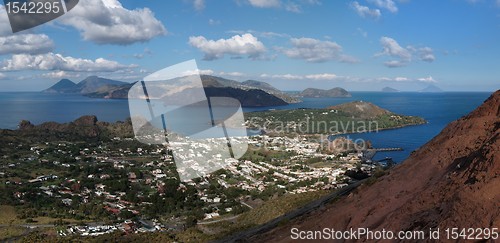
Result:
[
  {"x": 269, "y": 210},
  {"x": 8, "y": 215},
  {"x": 379, "y": 172},
  {"x": 11, "y": 231},
  {"x": 327, "y": 121}
]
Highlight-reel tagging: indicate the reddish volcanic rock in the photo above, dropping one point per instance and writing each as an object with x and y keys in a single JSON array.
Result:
[
  {"x": 452, "y": 181},
  {"x": 86, "y": 121},
  {"x": 23, "y": 125},
  {"x": 85, "y": 126}
]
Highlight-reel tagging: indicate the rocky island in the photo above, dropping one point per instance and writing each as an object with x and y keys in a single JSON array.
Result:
[
  {"x": 389, "y": 89},
  {"x": 322, "y": 93},
  {"x": 250, "y": 93}
]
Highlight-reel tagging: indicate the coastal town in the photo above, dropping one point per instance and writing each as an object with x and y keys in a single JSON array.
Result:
[{"x": 123, "y": 185}]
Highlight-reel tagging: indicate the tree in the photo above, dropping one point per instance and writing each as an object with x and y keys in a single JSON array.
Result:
[{"x": 125, "y": 214}]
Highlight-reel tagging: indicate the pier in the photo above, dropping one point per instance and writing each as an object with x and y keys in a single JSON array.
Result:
[
  {"x": 387, "y": 149},
  {"x": 370, "y": 153}
]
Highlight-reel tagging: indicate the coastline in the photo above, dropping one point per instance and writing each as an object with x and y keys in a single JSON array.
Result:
[{"x": 347, "y": 133}]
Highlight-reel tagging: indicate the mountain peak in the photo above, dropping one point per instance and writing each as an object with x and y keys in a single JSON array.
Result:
[
  {"x": 389, "y": 89},
  {"x": 63, "y": 86},
  {"x": 259, "y": 89},
  {"x": 491, "y": 107},
  {"x": 360, "y": 109},
  {"x": 431, "y": 88},
  {"x": 65, "y": 80},
  {"x": 89, "y": 85},
  {"x": 260, "y": 85}
]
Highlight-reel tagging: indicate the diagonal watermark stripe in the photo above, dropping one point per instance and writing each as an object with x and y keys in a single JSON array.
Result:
[{"x": 204, "y": 133}]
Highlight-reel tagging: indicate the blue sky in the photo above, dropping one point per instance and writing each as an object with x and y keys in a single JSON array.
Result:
[{"x": 292, "y": 44}]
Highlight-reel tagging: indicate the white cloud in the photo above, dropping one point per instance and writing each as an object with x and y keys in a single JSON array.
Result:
[
  {"x": 60, "y": 75},
  {"x": 395, "y": 63},
  {"x": 290, "y": 6},
  {"x": 213, "y": 22},
  {"x": 321, "y": 76},
  {"x": 238, "y": 45},
  {"x": 108, "y": 22},
  {"x": 350, "y": 79},
  {"x": 401, "y": 79},
  {"x": 363, "y": 32},
  {"x": 348, "y": 59},
  {"x": 265, "y": 3},
  {"x": 146, "y": 52},
  {"x": 365, "y": 11},
  {"x": 390, "y": 47},
  {"x": 25, "y": 43},
  {"x": 403, "y": 56},
  {"x": 206, "y": 72},
  {"x": 51, "y": 61},
  {"x": 199, "y": 4},
  {"x": 312, "y": 2},
  {"x": 387, "y": 4},
  {"x": 233, "y": 74},
  {"x": 264, "y": 34},
  {"x": 429, "y": 79},
  {"x": 313, "y": 50},
  {"x": 426, "y": 54},
  {"x": 396, "y": 79},
  {"x": 198, "y": 72},
  {"x": 283, "y": 76}
]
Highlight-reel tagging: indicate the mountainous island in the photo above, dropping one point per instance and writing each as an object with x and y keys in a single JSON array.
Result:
[
  {"x": 89, "y": 85},
  {"x": 431, "y": 89},
  {"x": 450, "y": 182},
  {"x": 250, "y": 93},
  {"x": 389, "y": 89},
  {"x": 322, "y": 93}
]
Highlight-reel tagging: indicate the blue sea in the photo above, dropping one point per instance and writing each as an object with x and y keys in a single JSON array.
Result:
[{"x": 437, "y": 108}]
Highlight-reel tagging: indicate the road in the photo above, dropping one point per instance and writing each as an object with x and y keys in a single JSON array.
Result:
[
  {"x": 245, "y": 204},
  {"x": 31, "y": 226},
  {"x": 244, "y": 235},
  {"x": 219, "y": 220}
]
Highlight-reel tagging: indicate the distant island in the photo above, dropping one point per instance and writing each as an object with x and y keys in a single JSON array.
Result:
[
  {"x": 250, "y": 93},
  {"x": 431, "y": 89},
  {"x": 322, "y": 93},
  {"x": 89, "y": 85},
  {"x": 389, "y": 89},
  {"x": 92, "y": 86}
]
